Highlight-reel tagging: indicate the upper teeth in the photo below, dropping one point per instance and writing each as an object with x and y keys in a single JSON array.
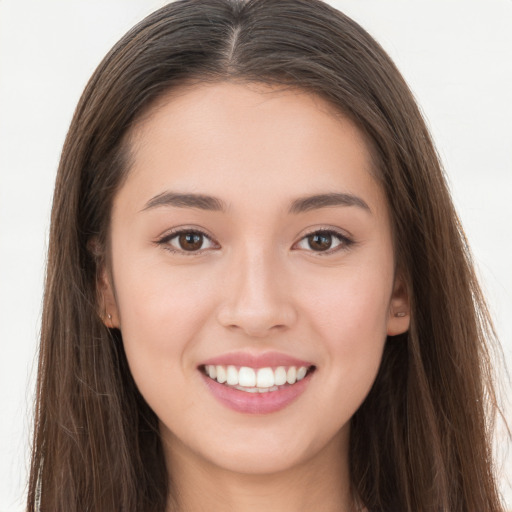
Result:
[{"x": 262, "y": 378}]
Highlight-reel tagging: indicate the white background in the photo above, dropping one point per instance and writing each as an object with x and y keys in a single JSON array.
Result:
[{"x": 455, "y": 54}]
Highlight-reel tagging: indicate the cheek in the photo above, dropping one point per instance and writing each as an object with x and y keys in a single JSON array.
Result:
[
  {"x": 352, "y": 301},
  {"x": 349, "y": 318},
  {"x": 161, "y": 311},
  {"x": 158, "y": 299}
]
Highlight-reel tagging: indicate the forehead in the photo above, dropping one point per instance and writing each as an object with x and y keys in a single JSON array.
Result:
[{"x": 226, "y": 137}]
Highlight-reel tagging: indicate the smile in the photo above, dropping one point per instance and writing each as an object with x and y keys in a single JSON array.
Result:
[
  {"x": 256, "y": 380},
  {"x": 256, "y": 390}
]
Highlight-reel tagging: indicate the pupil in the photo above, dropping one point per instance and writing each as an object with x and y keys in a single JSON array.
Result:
[
  {"x": 320, "y": 241},
  {"x": 191, "y": 241}
]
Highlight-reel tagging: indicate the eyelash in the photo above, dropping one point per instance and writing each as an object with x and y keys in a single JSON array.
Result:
[
  {"x": 344, "y": 241},
  {"x": 166, "y": 239}
]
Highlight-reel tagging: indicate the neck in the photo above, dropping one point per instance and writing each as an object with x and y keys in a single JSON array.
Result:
[{"x": 320, "y": 483}]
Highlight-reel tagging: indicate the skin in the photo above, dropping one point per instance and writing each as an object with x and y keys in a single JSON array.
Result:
[{"x": 256, "y": 286}]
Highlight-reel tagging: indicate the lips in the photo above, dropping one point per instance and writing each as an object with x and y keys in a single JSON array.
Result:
[
  {"x": 272, "y": 359},
  {"x": 256, "y": 384}
]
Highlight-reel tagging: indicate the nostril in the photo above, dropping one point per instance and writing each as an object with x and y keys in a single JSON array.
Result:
[{"x": 257, "y": 315}]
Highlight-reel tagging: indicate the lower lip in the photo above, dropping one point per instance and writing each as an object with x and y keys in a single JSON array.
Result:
[{"x": 256, "y": 403}]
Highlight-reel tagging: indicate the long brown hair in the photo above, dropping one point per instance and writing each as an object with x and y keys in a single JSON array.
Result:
[{"x": 421, "y": 439}]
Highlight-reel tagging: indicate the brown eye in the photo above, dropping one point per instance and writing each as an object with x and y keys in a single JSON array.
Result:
[
  {"x": 324, "y": 241},
  {"x": 320, "y": 241},
  {"x": 190, "y": 241},
  {"x": 187, "y": 242}
]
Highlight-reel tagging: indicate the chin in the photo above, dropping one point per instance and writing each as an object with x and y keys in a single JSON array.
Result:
[
  {"x": 253, "y": 460},
  {"x": 266, "y": 453}
]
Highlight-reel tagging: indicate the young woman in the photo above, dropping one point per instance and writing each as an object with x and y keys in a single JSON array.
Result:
[{"x": 258, "y": 293}]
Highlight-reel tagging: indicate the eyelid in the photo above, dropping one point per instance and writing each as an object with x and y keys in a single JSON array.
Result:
[
  {"x": 163, "y": 240},
  {"x": 346, "y": 240}
]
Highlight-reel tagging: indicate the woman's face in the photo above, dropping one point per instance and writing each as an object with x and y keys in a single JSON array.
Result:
[{"x": 251, "y": 242}]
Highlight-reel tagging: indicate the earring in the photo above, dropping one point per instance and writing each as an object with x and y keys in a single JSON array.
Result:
[{"x": 107, "y": 320}]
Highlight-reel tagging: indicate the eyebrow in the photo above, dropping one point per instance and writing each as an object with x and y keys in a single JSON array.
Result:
[
  {"x": 300, "y": 205},
  {"x": 200, "y": 201},
  {"x": 305, "y": 204}
]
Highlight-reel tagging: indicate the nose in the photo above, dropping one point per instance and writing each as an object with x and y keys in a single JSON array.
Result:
[{"x": 258, "y": 300}]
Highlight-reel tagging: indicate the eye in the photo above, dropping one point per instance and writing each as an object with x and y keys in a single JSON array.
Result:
[
  {"x": 190, "y": 241},
  {"x": 325, "y": 241}
]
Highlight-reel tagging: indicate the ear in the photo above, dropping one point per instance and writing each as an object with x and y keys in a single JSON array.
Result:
[
  {"x": 107, "y": 300},
  {"x": 399, "y": 309}
]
